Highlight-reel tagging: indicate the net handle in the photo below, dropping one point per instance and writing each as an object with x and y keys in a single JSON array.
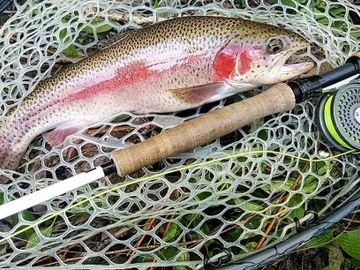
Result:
[{"x": 201, "y": 130}]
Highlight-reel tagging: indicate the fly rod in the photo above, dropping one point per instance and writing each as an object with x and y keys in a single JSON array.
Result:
[{"x": 186, "y": 136}]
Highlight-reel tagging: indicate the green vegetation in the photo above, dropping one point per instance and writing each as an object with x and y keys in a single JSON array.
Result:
[{"x": 348, "y": 242}]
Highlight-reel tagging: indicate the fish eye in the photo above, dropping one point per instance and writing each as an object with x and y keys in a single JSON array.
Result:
[{"x": 274, "y": 45}]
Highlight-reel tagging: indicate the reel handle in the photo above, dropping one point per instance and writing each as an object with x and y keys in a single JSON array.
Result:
[{"x": 203, "y": 129}]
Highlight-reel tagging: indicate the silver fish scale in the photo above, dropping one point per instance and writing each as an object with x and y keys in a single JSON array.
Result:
[{"x": 171, "y": 220}]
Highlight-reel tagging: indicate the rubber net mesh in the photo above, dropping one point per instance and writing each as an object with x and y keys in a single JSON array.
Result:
[{"x": 175, "y": 219}]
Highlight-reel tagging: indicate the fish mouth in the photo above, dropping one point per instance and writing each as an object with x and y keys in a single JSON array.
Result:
[{"x": 285, "y": 70}]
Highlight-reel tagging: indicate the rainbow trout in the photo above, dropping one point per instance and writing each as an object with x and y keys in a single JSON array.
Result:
[{"x": 169, "y": 66}]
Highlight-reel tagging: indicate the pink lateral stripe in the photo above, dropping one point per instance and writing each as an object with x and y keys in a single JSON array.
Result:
[
  {"x": 131, "y": 74},
  {"x": 124, "y": 77}
]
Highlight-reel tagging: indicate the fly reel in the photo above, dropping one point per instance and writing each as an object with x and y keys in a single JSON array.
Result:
[{"x": 338, "y": 117}]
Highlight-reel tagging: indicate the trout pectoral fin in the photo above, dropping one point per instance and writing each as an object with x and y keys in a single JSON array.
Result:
[{"x": 202, "y": 93}]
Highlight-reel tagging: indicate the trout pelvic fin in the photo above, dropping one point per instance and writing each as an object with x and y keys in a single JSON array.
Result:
[
  {"x": 57, "y": 136},
  {"x": 203, "y": 93}
]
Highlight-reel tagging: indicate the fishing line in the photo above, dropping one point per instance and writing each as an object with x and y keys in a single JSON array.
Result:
[
  {"x": 337, "y": 117},
  {"x": 267, "y": 254},
  {"x": 178, "y": 169},
  {"x": 319, "y": 226}
]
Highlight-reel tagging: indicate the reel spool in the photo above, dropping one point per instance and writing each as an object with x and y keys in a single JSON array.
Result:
[{"x": 338, "y": 117}]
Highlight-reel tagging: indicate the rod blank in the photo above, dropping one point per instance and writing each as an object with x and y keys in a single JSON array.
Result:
[{"x": 49, "y": 192}]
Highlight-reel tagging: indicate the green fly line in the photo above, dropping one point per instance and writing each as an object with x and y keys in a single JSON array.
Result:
[
  {"x": 330, "y": 125},
  {"x": 178, "y": 169}
]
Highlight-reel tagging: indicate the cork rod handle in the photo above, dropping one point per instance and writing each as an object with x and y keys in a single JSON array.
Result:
[{"x": 210, "y": 126}]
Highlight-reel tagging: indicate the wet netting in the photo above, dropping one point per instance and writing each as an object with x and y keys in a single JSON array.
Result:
[{"x": 241, "y": 204}]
